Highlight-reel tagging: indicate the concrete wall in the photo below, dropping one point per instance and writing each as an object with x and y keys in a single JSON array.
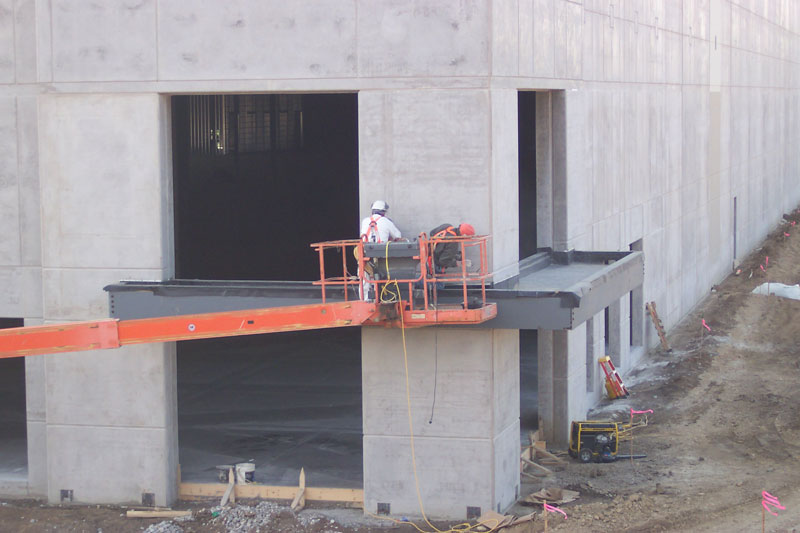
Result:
[
  {"x": 98, "y": 418},
  {"x": 663, "y": 112},
  {"x": 464, "y": 402}
]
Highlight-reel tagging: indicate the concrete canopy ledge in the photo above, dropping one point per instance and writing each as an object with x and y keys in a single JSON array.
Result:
[
  {"x": 554, "y": 290},
  {"x": 561, "y": 290}
]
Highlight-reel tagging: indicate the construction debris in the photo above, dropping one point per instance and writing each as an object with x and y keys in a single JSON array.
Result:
[
  {"x": 492, "y": 521},
  {"x": 535, "y": 455},
  {"x": 553, "y": 496}
]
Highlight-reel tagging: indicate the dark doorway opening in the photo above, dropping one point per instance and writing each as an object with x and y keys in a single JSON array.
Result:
[
  {"x": 528, "y": 383},
  {"x": 284, "y": 401},
  {"x": 526, "y": 124},
  {"x": 257, "y": 178},
  {"x": 13, "y": 416}
]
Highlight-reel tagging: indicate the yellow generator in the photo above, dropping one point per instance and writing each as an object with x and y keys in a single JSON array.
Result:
[{"x": 594, "y": 440}]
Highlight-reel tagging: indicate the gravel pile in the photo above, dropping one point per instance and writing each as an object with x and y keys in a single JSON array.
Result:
[
  {"x": 164, "y": 527},
  {"x": 244, "y": 518}
]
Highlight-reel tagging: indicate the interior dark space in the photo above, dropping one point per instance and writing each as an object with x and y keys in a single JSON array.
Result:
[
  {"x": 257, "y": 178},
  {"x": 283, "y": 401},
  {"x": 526, "y": 120},
  {"x": 529, "y": 384},
  {"x": 13, "y": 417}
]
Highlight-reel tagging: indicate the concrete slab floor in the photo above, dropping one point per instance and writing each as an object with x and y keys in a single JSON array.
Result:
[
  {"x": 288, "y": 401},
  {"x": 285, "y": 401}
]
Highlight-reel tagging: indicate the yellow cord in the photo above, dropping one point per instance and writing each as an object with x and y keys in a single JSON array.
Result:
[{"x": 465, "y": 527}]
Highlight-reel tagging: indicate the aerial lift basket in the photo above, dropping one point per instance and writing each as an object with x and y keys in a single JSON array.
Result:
[{"x": 614, "y": 385}]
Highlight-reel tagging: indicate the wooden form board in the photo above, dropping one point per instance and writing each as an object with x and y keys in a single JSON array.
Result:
[{"x": 193, "y": 491}]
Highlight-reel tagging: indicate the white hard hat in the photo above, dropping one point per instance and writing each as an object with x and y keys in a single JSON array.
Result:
[{"x": 380, "y": 205}]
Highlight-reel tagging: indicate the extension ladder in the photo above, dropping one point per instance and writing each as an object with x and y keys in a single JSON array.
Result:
[{"x": 651, "y": 309}]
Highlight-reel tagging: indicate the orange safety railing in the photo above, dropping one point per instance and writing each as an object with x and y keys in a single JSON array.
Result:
[{"x": 428, "y": 277}]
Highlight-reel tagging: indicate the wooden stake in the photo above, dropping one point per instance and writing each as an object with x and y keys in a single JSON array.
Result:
[
  {"x": 300, "y": 498},
  {"x": 544, "y": 509},
  {"x": 230, "y": 492},
  {"x": 631, "y": 439}
]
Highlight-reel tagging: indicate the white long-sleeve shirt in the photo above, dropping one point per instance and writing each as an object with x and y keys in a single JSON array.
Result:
[{"x": 384, "y": 229}]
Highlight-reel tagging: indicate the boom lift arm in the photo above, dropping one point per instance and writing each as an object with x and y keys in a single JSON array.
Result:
[{"x": 113, "y": 333}]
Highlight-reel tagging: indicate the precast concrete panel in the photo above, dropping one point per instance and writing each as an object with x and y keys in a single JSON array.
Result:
[
  {"x": 101, "y": 181},
  {"x": 398, "y": 38},
  {"x": 77, "y": 293},
  {"x": 506, "y": 467},
  {"x": 113, "y": 40},
  {"x": 450, "y": 379},
  {"x": 568, "y": 42},
  {"x": 569, "y": 380},
  {"x": 463, "y": 393},
  {"x": 44, "y": 41},
  {"x": 7, "y": 64},
  {"x": 578, "y": 208},
  {"x": 452, "y": 474},
  {"x": 543, "y": 27},
  {"x": 36, "y": 435},
  {"x": 505, "y": 371},
  {"x": 9, "y": 184},
  {"x": 110, "y": 421},
  {"x": 25, "y": 41},
  {"x": 505, "y": 43},
  {"x": 30, "y": 225},
  {"x": 504, "y": 185},
  {"x": 22, "y": 291},
  {"x": 426, "y": 152},
  {"x": 108, "y": 464},
  {"x": 98, "y": 387},
  {"x": 274, "y": 39}
]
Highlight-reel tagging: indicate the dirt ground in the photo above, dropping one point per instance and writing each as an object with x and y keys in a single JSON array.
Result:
[{"x": 725, "y": 428}]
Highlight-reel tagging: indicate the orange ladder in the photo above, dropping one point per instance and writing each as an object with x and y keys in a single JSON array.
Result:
[{"x": 614, "y": 386}]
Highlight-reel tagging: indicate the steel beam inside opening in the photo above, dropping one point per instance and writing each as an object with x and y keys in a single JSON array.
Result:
[{"x": 554, "y": 290}]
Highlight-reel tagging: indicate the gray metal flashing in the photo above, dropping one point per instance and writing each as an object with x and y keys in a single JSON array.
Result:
[{"x": 554, "y": 290}]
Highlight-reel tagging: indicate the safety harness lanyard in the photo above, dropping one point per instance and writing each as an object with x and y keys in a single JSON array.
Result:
[{"x": 373, "y": 227}]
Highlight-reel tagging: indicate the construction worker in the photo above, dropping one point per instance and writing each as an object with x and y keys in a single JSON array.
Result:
[
  {"x": 447, "y": 255},
  {"x": 376, "y": 228}
]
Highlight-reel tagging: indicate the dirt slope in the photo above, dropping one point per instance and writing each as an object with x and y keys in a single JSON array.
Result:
[{"x": 726, "y": 424}]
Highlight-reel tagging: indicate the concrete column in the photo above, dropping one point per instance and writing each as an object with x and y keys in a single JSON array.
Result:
[
  {"x": 595, "y": 349},
  {"x": 564, "y": 202},
  {"x": 563, "y": 355},
  {"x": 544, "y": 170},
  {"x": 544, "y": 375},
  {"x": 35, "y": 405},
  {"x": 110, "y": 418},
  {"x": 442, "y": 155},
  {"x": 464, "y": 397}
]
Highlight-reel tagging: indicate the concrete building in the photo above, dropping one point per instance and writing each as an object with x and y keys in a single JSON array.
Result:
[{"x": 663, "y": 126}]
